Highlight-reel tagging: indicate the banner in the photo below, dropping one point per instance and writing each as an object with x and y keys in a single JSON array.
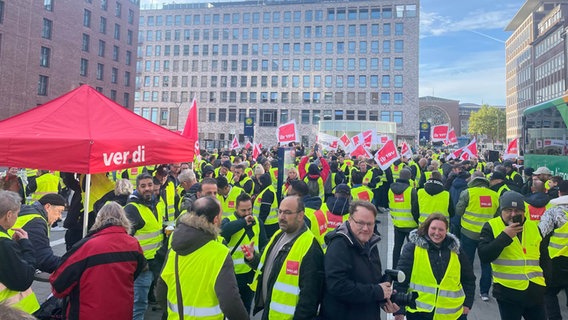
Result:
[
  {"x": 328, "y": 142},
  {"x": 451, "y": 139},
  {"x": 190, "y": 130},
  {"x": 287, "y": 133},
  {"x": 455, "y": 154},
  {"x": 440, "y": 132},
  {"x": 424, "y": 135},
  {"x": 248, "y": 145},
  {"x": 387, "y": 155},
  {"x": 470, "y": 150},
  {"x": 235, "y": 143},
  {"x": 249, "y": 127},
  {"x": 405, "y": 151},
  {"x": 512, "y": 149},
  {"x": 345, "y": 141},
  {"x": 256, "y": 151}
]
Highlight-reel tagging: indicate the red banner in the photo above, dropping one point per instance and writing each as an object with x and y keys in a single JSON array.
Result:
[
  {"x": 287, "y": 133},
  {"x": 512, "y": 149},
  {"x": 345, "y": 140},
  {"x": 452, "y": 138},
  {"x": 360, "y": 151},
  {"x": 405, "y": 150},
  {"x": 387, "y": 155},
  {"x": 191, "y": 127},
  {"x": 235, "y": 144},
  {"x": 440, "y": 132}
]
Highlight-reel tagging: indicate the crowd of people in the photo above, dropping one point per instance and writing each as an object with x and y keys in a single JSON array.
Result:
[{"x": 223, "y": 237}]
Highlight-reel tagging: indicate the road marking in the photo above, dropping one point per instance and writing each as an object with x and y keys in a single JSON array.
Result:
[{"x": 57, "y": 242}]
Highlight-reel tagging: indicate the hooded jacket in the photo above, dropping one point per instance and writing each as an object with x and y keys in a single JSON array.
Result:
[
  {"x": 439, "y": 256},
  {"x": 191, "y": 233},
  {"x": 352, "y": 276},
  {"x": 456, "y": 184},
  {"x": 338, "y": 205},
  {"x": 38, "y": 233}
]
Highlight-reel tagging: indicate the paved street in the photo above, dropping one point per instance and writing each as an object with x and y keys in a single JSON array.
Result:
[{"x": 480, "y": 311}]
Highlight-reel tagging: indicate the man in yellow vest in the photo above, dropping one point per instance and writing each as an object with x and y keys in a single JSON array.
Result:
[
  {"x": 147, "y": 228},
  {"x": 198, "y": 278},
  {"x": 554, "y": 229},
  {"x": 434, "y": 198},
  {"x": 314, "y": 210},
  {"x": 238, "y": 229},
  {"x": 476, "y": 205},
  {"x": 265, "y": 205},
  {"x": 42, "y": 184},
  {"x": 290, "y": 273},
  {"x": 227, "y": 196},
  {"x": 36, "y": 220},
  {"x": 404, "y": 210},
  {"x": 512, "y": 244},
  {"x": 242, "y": 180},
  {"x": 537, "y": 202},
  {"x": 167, "y": 192},
  {"x": 17, "y": 266}
]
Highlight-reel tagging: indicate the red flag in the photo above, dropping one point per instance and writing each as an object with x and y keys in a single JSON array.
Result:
[
  {"x": 256, "y": 151},
  {"x": 470, "y": 149},
  {"x": 384, "y": 139},
  {"x": 191, "y": 126},
  {"x": 455, "y": 154},
  {"x": 452, "y": 138},
  {"x": 333, "y": 144},
  {"x": 387, "y": 155},
  {"x": 360, "y": 151},
  {"x": 345, "y": 140},
  {"x": 440, "y": 132},
  {"x": 367, "y": 138},
  {"x": 512, "y": 149},
  {"x": 405, "y": 150},
  {"x": 235, "y": 143},
  {"x": 248, "y": 145},
  {"x": 287, "y": 133},
  {"x": 357, "y": 139}
]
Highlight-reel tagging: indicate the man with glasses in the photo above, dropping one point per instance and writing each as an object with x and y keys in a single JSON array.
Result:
[
  {"x": 290, "y": 274},
  {"x": 353, "y": 285}
]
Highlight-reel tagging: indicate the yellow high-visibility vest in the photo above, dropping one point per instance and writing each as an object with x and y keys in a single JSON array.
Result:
[
  {"x": 400, "y": 209},
  {"x": 429, "y": 204},
  {"x": 482, "y": 205},
  {"x": 238, "y": 256},
  {"x": 150, "y": 236}
]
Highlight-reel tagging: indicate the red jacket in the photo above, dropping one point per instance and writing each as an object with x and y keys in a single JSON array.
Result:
[{"x": 98, "y": 275}]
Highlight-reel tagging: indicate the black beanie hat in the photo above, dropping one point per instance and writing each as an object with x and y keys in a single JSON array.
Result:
[{"x": 53, "y": 199}]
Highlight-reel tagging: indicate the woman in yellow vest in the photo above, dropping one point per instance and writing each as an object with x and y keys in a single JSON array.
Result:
[
  {"x": 438, "y": 271},
  {"x": 17, "y": 263}
]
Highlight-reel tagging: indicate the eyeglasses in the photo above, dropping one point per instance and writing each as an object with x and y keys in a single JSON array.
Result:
[
  {"x": 287, "y": 212},
  {"x": 362, "y": 224}
]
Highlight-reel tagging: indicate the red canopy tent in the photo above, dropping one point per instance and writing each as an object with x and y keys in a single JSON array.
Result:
[{"x": 83, "y": 131}]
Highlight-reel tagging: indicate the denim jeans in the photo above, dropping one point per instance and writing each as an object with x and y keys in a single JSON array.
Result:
[
  {"x": 141, "y": 289},
  {"x": 469, "y": 246}
]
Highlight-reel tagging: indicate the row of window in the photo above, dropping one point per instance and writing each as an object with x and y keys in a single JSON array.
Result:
[
  {"x": 331, "y": 14},
  {"x": 103, "y": 27},
  {"x": 104, "y": 7},
  {"x": 43, "y": 89},
  {"x": 254, "y": 49},
  {"x": 86, "y": 47},
  {"x": 306, "y": 81},
  {"x": 100, "y": 73},
  {"x": 338, "y": 64},
  {"x": 331, "y": 31},
  {"x": 362, "y": 98}
]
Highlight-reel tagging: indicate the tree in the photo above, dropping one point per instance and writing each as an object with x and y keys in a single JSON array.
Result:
[{"x": 488, "y": 121}]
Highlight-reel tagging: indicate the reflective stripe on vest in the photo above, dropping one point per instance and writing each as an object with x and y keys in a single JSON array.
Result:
[
  {"x": 229, "y": 204},
  {"x": 395, "y": 170},
  {"x": 198, "y": 274},
  {"x": 400, "y": 209},
  {"x": 439, "y": 203},
  {"x": 238, "y": 255},
  {"x": 170, "y": 201},
  {"x": 482, "y": 205},
  {"x": 447, "y": 297},
  {"x": 272, "y": 217},
  {"x": 285, "y": 293},
  {"x": 518, "y": 263},
  {"x": 24, "y": 300},
  {"x": 558, "y": 245},
  {"x": 150, "y": 236}
]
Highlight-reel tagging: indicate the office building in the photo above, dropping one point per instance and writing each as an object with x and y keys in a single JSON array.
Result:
[
  {"x": 50, "y": 47},
  {"x": 276, "y": 61}
]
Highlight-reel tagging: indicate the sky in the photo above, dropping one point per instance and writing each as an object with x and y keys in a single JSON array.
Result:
[{"x": 462, "y": 48}]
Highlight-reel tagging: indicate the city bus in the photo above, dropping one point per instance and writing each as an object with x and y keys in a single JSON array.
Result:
[{"x": 545, "y": 136}]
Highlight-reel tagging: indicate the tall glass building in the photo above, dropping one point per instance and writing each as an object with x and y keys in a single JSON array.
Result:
[{"x": 276, "y": 61}]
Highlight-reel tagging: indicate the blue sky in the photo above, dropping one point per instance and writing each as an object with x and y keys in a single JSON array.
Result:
[{"x": 462, "y": 48}]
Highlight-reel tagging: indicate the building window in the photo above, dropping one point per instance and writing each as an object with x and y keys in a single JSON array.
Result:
[
  {"x": 126, "y": 102},
  {"x": 338, "y": 114},
  {"x": 84, "y": 67},
  {"x": 102, "y": 46},
  {"x": 118, "y": 10},
  {"x": 385, "y": 97},
  {"x": 126, "y": 79},
  {"x": 373, "y": 115},
  {"x": 362, "y": 115},
  {"x": 268, "y": 117},
  {"x": 222, "y": 115},
  {"x": 113, "y": 95},
  {"x": 104, "y": 5},
  {"x": 85, "y": 44},
  {"x": 47, "y": 5},
  {"x": 117, "y": 31},
  {"x": 87, "y": 18},
  {"x": 42, "y": 85},
  {"x": 115, "y": 53},
  {"x": 100, "y": 71},
  {"x": 45, "y": 55},
  {"x": 398, "y": 98},
  {"x": 212, "y": 114},
  {"x": 397, "y": 117},
  {"x": 385, "y": 115},
  {"x": 47, "y": 25},
  {"x": 103, "y": 25},
  {"x": 114, "y": 75}
]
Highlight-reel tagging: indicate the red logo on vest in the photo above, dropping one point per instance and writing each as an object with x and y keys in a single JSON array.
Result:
[
  {"x": 485, "y": 202},
  {"x": 399, "y": 197},
  {"x": 536, "y": 213},
  {"x": 292, "y": 267},
  {"x": 333, "y": 220},
  {"x": 363, "y": 196},
  {"x": 231, "y": 204},
  {"x": 322, "y": 224}
]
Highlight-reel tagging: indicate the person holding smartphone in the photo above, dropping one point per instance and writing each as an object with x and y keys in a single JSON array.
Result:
[{"x": 512, "y": 245}]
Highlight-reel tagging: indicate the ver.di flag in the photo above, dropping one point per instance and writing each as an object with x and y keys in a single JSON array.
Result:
[
  {"x": 235, "y": 143},
  {"x": 287, "y": 133},
  {"x": 256, "y": 151},
  {"x": 512, "y": 149},
  {"x": 440, "y": 132},
  {"x": 405, "y": 150},
  {"x": 345, "y": 141},
  {"x": 451, "y": 139},
  {"x": 191, "y": 130},
  {"x": 387, "y": 155},
  {"x": 470, "y": 150},
  {"x": 360, "y": 150}
]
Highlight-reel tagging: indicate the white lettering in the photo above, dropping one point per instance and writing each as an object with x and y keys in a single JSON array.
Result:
[
  {"x": 139, "y": 155},
  {"x": 119, "y": 158}
]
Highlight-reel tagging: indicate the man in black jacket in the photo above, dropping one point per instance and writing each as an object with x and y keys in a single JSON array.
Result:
[{"x": 353, "y": 285}]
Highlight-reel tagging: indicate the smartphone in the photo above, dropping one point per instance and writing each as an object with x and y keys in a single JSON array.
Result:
[{"x": 518, "y": 219}]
